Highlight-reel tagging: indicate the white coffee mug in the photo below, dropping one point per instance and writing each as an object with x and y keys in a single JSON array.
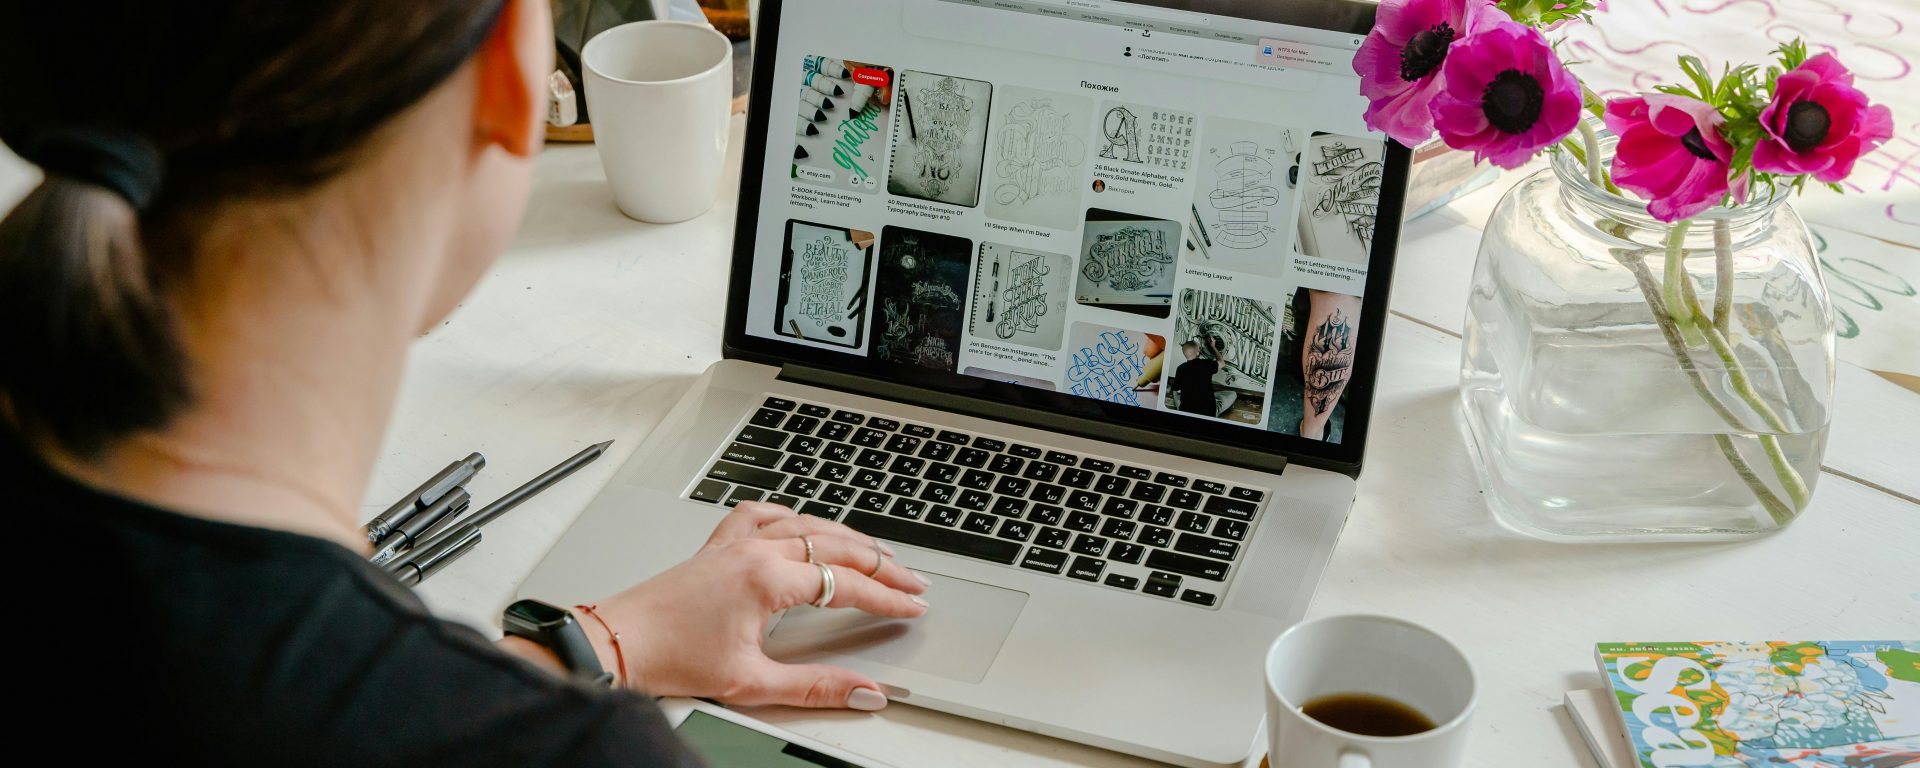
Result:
[
  {"x": 658, "y": 95},
  {"x": 1374, "y": 655}
]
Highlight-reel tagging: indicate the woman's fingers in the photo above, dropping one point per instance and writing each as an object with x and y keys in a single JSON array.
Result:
[
  {"x": 810, "y": 685},
  {"x": 810, "y": 525},
  {"x": 858, "y": 555},
  {"x": 851, "y": 589},
  {"x": 746, "y": 518}
]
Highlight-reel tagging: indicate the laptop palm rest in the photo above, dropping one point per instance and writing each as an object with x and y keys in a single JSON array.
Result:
[{"x": 958, "y": 637}]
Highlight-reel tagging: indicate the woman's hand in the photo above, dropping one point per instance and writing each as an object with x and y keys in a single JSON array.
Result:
[{"x": 695, "y": 630}]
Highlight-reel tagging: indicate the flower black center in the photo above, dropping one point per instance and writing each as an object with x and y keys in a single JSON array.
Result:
[
  {"x": 1696, "y": 145},
  {"x": 1807, "y": 124},
  {"x": 1512, "y": 101},
  {"x": 1425, "y": 51}
]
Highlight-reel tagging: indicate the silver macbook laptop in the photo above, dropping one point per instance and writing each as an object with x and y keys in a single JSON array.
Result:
[{"x": 1076, "y": 302}]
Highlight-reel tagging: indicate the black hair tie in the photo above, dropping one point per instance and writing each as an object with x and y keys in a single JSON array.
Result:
[{"x": 114, "y": 158}]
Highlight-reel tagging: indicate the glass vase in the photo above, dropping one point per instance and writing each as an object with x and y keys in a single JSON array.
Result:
[{"x": 1624, "y": 378}]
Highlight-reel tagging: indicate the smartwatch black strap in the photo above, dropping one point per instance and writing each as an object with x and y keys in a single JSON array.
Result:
[{"x": 555, "y": 629}]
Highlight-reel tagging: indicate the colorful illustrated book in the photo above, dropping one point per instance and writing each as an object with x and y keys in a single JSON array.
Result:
[{"x": 1808, "y": 704}]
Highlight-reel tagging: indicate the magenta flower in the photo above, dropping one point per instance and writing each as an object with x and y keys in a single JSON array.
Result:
[
  {"x": 1670, "y": 152},
  {"x": 1399, "y": 64},
  {"x": 1505, "y": 95},
  {"x": 1819, "y": 123}
]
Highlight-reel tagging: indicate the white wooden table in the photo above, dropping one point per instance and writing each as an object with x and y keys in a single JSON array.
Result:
[{"x": 592, "y": 325}]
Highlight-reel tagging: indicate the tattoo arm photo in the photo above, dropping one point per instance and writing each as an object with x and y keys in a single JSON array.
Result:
[{"x": 1326, "y": 356}]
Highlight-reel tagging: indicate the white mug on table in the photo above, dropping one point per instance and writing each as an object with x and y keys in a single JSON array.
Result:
[
  {"x": 1374, "y": 655},
  {"x": 658, "y": 94}
]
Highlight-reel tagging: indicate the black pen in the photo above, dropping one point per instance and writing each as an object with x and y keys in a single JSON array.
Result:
[
  {"x": 415, "y": 528},
  {"x": 444, "y": 547},
  {"x": 455, "y": 475}
]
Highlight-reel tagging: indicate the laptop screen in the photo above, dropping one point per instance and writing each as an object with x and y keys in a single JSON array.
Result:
[{"x": 1167, "y": 215}]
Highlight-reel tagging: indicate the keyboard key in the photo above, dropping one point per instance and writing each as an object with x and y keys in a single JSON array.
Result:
[
  {"x": 818, "y": 509},
  {"x": 1199, "y": 567},
  {"x": 778, "y": 404},
  {"x": 1040, "y": 471},
  {"x": 1085, "y": 522},
  {"x": 767, "y": 417},
  {"x": 1089, "y": 544},
  {"x": 1135, "y": 473},
  {"x": 1007, "y": 506},
  {"x": 1119, "y": 507},
  {"x": 1045, "y": 514},
  {"x": 839, "y": 452},
  {"x": 906, "y": 465},
  {"x": 976, "y": 479},
  {"x": 938, "y": 493},
  {"x": 903, "y": 486},
  {"x": 1122, "y": 581},
  {"x": 1234, "y": 508},
  {"x": 868, "y": 437},
  {"x": 1150, "y": 493},
  {"x": 1086, "y": 500},
  {"x": 799, "y": 465},
  {"x": 1193, "y": 521},
  {"x": 1169, "y": 478},
  {"x": 888, "y": 425},
  {"x": 741, "y": 473},
  {"x": 980, "y": 523},
  {"x": 921, "y": 431},
  {"x": 910, "y": 509},
  {"x": 1113, "y": 485},
  {"x": 839, "y": 495},
  {"x": 972, "y": 457},
  {"x": 974, "y": 500},
  {"x": 761, "y": 436},
  {"x": 803, "y": 487},
  {"x": 1196, "y": 596},
  {"x": 1048, "y": 493},
  {"x": 710, "y": 491},
  {"x": 1007, "y": 464},
  {"x": 1087, "y": 568},
  {"x": 1249, "y": 494},
  {"x": 942, "y": 473},
  {"x": 1053, "y": 537},
  {"x": 906, "y": 444},
  {"x": 742, "y": 493},
  {"x": 1206, "y": 546},
  {"x": 1062, "y": 458},
  {"x": 1209, "y": 486},
  {"x": 1115, "y": 528},
  {"x": 1016, "y": 530},
  {"x": 801, "y": 425},
  {"x": 989, "y": 444},
  {"x": 1044, "y": 560},
  {"x": 835, "y": 431},
  {"x": 933, "y": 537},
  {"x": 1096, "y": 465},
  {"x": 1076, "y": 478},
  {"x": 1155, "y": 536},
  {"x": 936, "y": 451},
  {"x": 1184, "y": 499},
  {"x": 943, "y": 515},
  {"x": 872, "y": 459},
  {"x": 848, "y": 417},
  {"x": 869, "y": 479},
  {"x": 816, "y": 411},
  {"x": 950, "y": 436},
  {"x": 1232, "y": 529},
  {"x": 871, "y": 501},
  {"x": 1162, "y": 584},
  {"x": 1127, "y": 552},
  {"x": 1024, "y": 451},
  {"x": 1157, "y": 515},
  {"x": 1012, "y": 486},
  {"x": 751, "y": 454},
  {"x": 805, "y": 446},
  {"x": 834, "y": 472}
]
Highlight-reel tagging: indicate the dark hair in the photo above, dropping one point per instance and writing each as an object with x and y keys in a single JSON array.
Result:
[{"x": 221, "y": 101}]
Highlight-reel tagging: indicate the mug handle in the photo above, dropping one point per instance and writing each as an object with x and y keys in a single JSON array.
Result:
[{"x": 1354, "y": 759}]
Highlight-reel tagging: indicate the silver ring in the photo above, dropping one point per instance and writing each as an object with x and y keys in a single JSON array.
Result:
[
  {"x": 809, "y": 542},
  {"x": 879, "y": 561},
  {"x": 826, "y": 585}
]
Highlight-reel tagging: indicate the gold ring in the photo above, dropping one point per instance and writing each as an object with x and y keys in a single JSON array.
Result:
[{"x": 879, "y": 560}]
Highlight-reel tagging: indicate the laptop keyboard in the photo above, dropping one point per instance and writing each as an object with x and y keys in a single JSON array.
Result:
[{"x": 1075, "y": 516}]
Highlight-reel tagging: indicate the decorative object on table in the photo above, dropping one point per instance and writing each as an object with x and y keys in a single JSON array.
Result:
[
  {"x": 574, "y": 23},
  {"x": 1649, "y": 347},
  {"x": 661, "y": 92},
  {"x": 1737, "y": 704},
  {"x": 1367, "y": 692}
]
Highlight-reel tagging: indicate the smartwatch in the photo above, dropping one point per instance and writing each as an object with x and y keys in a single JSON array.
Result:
[{"x": 554, "y": 629}]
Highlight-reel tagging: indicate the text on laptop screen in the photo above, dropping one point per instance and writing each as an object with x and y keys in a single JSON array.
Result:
[{"x": 1151, "y": 207}]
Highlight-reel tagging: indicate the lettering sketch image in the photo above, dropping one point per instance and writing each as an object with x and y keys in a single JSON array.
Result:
[
  {"x": 1114, "y": 365},
  {"x": 1148, "y": 136},
  {"x": 1039, "y": 157},
  {"x": 1020, "y": 296},
  {"x": 920, "y": 297},
  {"x": 1222, "y": 356},
  {"x": 823, "y": 284},
  {"x": 840, "y": 134},
  {"x": 1243, "y": 205},
  {"x": 940, "y": 140},
  {"x": 1340, "y": 196},
  {"x": 1127, "y": 262}
]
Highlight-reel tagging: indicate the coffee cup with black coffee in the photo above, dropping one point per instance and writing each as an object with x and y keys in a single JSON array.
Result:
[{"x": 1367, "y": 692}]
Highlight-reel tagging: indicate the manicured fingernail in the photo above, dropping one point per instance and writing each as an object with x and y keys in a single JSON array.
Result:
[
  {"x": 918, "y": 599},
  {"x": 866, "y": 700},
  {"x": 924, "y": 581}
]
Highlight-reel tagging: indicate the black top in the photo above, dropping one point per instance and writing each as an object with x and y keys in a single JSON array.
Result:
[
  {"x": 192, "y": 642},
  {"x": 1194, "y": 381}
]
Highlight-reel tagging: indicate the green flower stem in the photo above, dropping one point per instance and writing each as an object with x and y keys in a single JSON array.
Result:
[
  {"x": 1591, "y": 157},
  {"x": 1676, "y": 277},
  {"x": 1722, "y": 276}
]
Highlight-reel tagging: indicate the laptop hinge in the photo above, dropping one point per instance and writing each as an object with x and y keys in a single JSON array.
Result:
[{"x": 1028, "y": 416}]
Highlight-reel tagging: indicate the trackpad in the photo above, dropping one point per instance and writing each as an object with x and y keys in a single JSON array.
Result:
[{"x": 956, "y": 639}]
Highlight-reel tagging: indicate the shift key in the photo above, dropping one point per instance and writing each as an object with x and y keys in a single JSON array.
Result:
[
  {"x": 746, "y": 475},
  {"x": 1197, "y": 567}
]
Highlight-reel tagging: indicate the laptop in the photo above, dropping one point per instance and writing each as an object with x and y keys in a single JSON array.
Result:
[{"x": 1079, "y": 305}]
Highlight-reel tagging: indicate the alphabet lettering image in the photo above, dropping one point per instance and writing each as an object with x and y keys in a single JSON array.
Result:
[
  {"x": 1114, "y": 365},
  {"x": 1039, "y": 157},
  {"x": 1127, "y": 263},
  {"x": 1147, "y": 136},
  {"x": 823, "y": 284},
  {"x": 1020, "y": 296},
  {"x": 840, "y": 134},
  {"x": 940, "y": 140},
  {"x": 920, "y": 295}
]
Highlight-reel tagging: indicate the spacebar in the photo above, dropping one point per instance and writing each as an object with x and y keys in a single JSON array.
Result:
[{"x": 931, "y": 537}]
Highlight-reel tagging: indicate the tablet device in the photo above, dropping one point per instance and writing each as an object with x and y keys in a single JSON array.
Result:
[{"x": 723, "y": 737}]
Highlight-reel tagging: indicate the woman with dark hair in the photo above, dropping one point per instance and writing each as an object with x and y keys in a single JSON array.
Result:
[{"x": 249, "y": 210}]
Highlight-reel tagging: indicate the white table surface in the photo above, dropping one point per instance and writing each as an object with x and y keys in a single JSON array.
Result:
[{"x": 592, "y": 325}]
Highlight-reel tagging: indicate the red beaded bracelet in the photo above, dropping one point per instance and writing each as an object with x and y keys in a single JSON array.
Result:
[{"x": 619, "y": 657}]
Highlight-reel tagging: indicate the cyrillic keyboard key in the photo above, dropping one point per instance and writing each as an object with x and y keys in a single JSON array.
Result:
[
  {"x": 1119, "y": 507},
  {"x": 799, "y": 465},
  {"x": 976, "y": 479},
  {"x": 1007, "y": 506},
  {"x": 761, "y": 436},
  {"x": 910, "y": 509},
  {"x": 741, "y": 473},
  {"x": 980, "y": 522},
  {"x": 1127, "y": 552},
  {"x": 933, "y": 537},
  {"x": 1085, "y": 522},
  {"x": 1012, "y": 486},
  {"x": 906, "y": 465},
  {"x": 840, "y": 452},
  {"x": 938, "y": 493},
  {"x": 1053, "y": 537},
  {"x": 834, "y": 472},
  {"x": 1197, "y": 567},
  {"x": 1206, "y": 546},
  {"x": 1087, "y": 568},
  {"x": 903, "y": 486},
  {"x": 710, "y": 491},
  {"x": 1048, "y": 493},
  {"x": 942, "y": 473},
  {"x": 1044, "y": 560},
  {"x": 1193, "y": 521},
  {"x": 1153, "y": 536},
  {"x": 751, "y": 454},
  {"x": 869, "y": 479},
  {"x": 838, "y": 495},
  {"x": 805, "y": 446},
  {"x": 1116, "y": 528},
  {"x": 974, "y": 500},
  {"x": 871, "y": 501},
  {"x": 1089, "y": 544},
  {"x": 947, "y": 516},
  {"x": 1232, "y": 529},
  {"x": 872, "y": 459},
  {"x": 1086, "y": 500},
  {"x": 804, "y": 487},
  {"x": 1157, "y": 515},
  {"x": 1016, "y": 530},
  {"x": 1045, "y": 514}
]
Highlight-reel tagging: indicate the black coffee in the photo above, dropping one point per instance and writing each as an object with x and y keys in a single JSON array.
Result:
[{"x": 1367, "y": 715}]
